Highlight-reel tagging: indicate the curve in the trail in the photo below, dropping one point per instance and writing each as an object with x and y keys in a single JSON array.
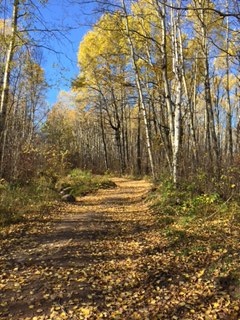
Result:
[{"x": 48, "y": 270}]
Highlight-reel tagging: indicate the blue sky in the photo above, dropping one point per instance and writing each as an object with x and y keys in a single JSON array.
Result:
[
  {"x": 58, "y": 50},
  {"x": 61, "y": 67}
]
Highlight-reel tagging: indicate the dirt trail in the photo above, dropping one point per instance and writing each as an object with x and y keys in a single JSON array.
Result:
[
  {"x": 108, "y": 257},
  {"x": 66, "y": 267}
]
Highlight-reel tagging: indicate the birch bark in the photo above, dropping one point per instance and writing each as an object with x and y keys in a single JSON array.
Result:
[
  {"x": 139, "y": 89},
  {"x": 6, "y": 80}
]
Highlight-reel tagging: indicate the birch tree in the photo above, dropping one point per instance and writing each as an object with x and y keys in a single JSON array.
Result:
[
  {"x": 6, "y": 78},
  {"x": 23, "y": 87},
  {"x": 139, "y": 87},
  {"x": 206, "y": 24},
  {"x": 177, "y": 70}
]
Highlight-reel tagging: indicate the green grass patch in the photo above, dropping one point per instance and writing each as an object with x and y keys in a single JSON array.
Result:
[
  {"x": 81, "y": 182},
  {"x": 18, "y": 201}
]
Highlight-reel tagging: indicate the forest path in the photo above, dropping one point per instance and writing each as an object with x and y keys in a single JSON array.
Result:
[
  {"x": 107, "y": 256},
  {"x": 81, "y": 262}
]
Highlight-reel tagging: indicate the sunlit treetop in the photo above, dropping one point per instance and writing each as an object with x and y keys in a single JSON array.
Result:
[{"x": 102, "y": 53}]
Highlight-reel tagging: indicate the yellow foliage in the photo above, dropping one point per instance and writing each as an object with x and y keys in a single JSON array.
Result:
[
  {"x": 102, "y": 43},
  {"x": 5, "y": 26},
  {"x": 202, "y": 15}
]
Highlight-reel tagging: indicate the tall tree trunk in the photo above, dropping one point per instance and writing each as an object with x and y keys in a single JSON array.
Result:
[
  {"x": 161, "y": 13},
  {"x": 212, "y": 143},
  {"x": 229, "y": 135},
  {"x": 118, "y": 132},
  {"x": 103, "y": 137},
  {"x": 140, "y": 92},
  {"x": 192, "y": 112},
  {"x": 177, "y": 134},
  {"x": 190, "y": 99},
  {"x": 139, "y": 158},
  {"x": 6, "y": 80},
  {"x": 177, "y": 70}
]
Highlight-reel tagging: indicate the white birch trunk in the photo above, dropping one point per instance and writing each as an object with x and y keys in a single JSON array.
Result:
[
  {"x": 177, "y": 70},
  {"x": 6, "y": 81},
  {"x": 139, "y": 88},
  {"x": 6, "y": 76},
  {"x": 229, "y": 136},
  {"x": 161, "y": 13}
]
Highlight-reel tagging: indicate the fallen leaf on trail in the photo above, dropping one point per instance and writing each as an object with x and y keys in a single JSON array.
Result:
[{"x": 104, "y": 258}]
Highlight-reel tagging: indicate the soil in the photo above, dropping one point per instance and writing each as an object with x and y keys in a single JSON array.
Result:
[
  {"x": 47, "y": 267},
  {"x": 108, "y": 256}
]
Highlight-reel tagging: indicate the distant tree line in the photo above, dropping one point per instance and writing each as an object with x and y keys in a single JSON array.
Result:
[{"x": 157, "y": 92}]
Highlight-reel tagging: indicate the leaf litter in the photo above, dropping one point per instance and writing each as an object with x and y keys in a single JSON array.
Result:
[{"x": 106, "y": 257}]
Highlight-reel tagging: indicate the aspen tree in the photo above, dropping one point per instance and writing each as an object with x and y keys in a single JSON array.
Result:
[
  {"x": 6, "y": 80},
  {"x": 229, "y": 135},
  {"x": 139, "y": 87},
  {"x": 177, "y": 70}
]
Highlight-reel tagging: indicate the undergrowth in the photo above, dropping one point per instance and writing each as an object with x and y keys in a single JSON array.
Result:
[
  {"x": 39, "y": 196},
  {"x": 18, "y": 200},
  {"x": 203, "y": 228},
  {"x": 81, "y": 182}
]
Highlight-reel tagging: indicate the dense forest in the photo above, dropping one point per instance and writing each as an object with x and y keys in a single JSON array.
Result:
[{"x": 157, "y": 94}]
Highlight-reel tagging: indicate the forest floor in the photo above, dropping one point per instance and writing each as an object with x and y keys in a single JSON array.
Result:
[{"x": 105, "y": 257}]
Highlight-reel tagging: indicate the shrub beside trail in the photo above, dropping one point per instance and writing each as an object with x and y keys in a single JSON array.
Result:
[{"x": 22, "y": 201}]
